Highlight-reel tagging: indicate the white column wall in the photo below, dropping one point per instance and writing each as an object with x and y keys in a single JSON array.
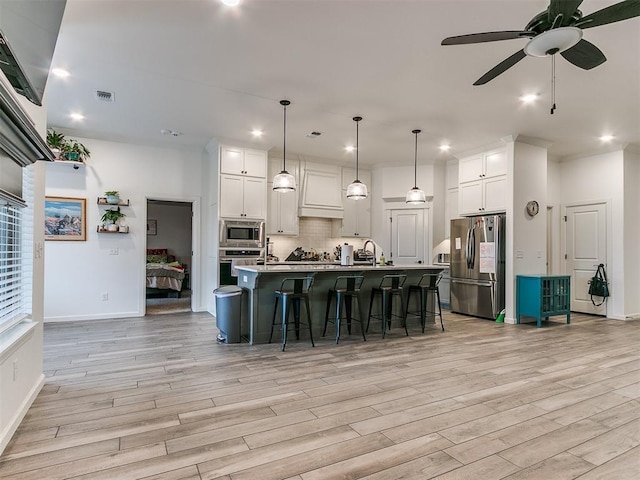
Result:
[
  {"x": 631, "y": 234},
  {"x": 78, "y": 273},
  {"x": 600, "y": 178}
]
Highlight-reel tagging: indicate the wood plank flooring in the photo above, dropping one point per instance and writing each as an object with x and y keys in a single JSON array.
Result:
[{"x": 158, "y": 398}]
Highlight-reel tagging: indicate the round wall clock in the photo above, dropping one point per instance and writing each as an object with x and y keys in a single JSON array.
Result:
[{"x": 533, "y": 208}]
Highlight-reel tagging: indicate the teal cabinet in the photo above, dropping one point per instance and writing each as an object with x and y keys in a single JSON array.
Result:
[{"x": 543, "y": 296}]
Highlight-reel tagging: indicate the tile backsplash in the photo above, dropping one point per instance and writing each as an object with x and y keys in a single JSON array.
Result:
[{"x": 314, "y": 234}]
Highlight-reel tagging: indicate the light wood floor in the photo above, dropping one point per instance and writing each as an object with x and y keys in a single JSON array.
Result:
[{"x": 157, "y": 398}]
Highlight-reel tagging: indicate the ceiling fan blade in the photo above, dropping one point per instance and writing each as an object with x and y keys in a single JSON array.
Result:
[
  {"x": 566, "y": 8},
  {"x": 584, "y": 55},
  {"x": 487, "y": 37},
  {"x": 614, "y": 13},
  {"x": 501, "y": 67}
]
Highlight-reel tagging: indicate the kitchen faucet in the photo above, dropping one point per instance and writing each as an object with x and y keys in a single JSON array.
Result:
[{"x": 364, "y": 247}]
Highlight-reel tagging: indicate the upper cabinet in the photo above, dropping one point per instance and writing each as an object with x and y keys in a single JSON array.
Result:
[
  {"x": 242, "y": 161},
  {"x": 243, "y": 184},
  {"x": 482, "y": 183},
  {"x": 356, "y": 221},
  {"x": 282, "y": 208}
]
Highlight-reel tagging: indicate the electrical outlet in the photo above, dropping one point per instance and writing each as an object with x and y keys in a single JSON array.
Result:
[
  {"x": 104, "y": 296},
  {"x": 114, "y": 251},
  {"x": 15, "y": 369},
  {"x": 244, "y": 278}
]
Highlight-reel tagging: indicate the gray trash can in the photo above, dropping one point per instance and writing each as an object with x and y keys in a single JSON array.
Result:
[{"x": 228, "y": 310}]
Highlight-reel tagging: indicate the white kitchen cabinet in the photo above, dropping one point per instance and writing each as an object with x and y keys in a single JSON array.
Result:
[
  {"x": 357, "y": 218},
  {"x": 282, "y": 216},
  {"x": 451, "y": 210},
  {"x": 242, "y": 161},
  {"x": 482, "y": 183},
  {"x": 242, "y": 197}
]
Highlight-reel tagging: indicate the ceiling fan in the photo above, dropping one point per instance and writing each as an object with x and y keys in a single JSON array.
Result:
[{"x": 556, "y": 30}]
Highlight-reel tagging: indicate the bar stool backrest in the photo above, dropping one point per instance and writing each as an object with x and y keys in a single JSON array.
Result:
[
  {"x": 348, "y": 283},
  {"x": 430, "y": 280},
  {"x": 393, "y": 282},
  {"x": 297, "y": 284}
]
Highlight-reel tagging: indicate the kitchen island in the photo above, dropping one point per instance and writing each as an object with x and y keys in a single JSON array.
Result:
[{"x": 261, "y": 281}]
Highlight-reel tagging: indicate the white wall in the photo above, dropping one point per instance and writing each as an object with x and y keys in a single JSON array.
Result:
[
  {"x": 554, "y": 190},
  {"x": 599, "y": 178},
  {"x": 78, "y": 273},
  {"x": 526, "y": 236},
  {"x": 631, "y": 234}
]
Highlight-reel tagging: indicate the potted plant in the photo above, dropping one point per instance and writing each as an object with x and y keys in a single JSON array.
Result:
[
  {"x": 112, "y": 197},
  {"x": 76, "y": 151},
  {"x": 111, "y": 218},
  {"x": 56, "y": 142}
]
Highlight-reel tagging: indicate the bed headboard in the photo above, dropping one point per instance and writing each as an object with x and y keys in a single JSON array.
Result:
[{"x": 159, "y": 255}]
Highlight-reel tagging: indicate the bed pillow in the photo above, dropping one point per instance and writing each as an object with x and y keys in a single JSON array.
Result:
[{"x": 157, "y": 255}]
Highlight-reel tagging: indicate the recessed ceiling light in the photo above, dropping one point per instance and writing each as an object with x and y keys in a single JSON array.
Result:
[
  {"x": 606, "y": 138},
  {"x": 445, "y": 147},
  {"x": 256, "y": 132},
  {"x": 60, "y": 72},
  {"x": 350, "y": 148},
  {"x": 529, "y": 98},
  {"x": 76, "y": 116},
  {"x": 230, "y": 3}
]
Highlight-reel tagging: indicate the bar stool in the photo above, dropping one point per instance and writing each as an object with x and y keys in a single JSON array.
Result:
[
  {"x": 292, "y": 291},
  {"x": 345, "y": 289},
  {"x": 390, "y": 286},
  {"x": 427, "y": 285}
]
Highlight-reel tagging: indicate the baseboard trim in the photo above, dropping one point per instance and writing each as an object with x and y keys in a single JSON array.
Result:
[
  {"x": 14, "y": 423},
  {"x": 102, "y": 316}
]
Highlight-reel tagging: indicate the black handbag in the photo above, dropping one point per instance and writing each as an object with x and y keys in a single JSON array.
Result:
[{"x": 598, "y": 286}]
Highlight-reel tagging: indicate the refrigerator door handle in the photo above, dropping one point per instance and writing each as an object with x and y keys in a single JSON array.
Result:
[
  {"x": 472, "y": 249},
  {"x": 467, "y": 252},
  {"x": 472, "y": 282}
]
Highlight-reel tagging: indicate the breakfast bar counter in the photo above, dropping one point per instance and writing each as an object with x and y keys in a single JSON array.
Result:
[{"x": 261, "y": 281}]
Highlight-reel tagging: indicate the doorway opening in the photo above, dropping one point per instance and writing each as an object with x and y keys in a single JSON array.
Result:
[{"x": 169, "y": 267}]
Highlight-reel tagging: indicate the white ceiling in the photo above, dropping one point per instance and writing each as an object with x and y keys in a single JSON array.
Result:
[{"x": 207, "y": 70}]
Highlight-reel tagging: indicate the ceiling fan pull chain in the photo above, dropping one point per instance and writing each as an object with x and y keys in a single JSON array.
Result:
[{"x": 553, "y": 83}]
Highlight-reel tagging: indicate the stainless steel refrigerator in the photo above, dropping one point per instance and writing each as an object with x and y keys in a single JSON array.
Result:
[{"x": 477, "y": 265}]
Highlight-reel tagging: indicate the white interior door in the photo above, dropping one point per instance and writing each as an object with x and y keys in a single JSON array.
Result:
[
  {"x": 586, "y": 247},
  {"x": 407, "y": 236}
]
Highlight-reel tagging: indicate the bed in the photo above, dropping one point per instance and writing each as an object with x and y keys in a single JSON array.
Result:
[{"x": 164, "y": 274}]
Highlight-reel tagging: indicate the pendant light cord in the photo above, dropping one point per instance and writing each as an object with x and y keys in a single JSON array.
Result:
[
  {"x": 553, "y": 84},
  {"x": 357, "y": 149},
  {"x": 415, "y": 164},
  {"x": 284, "y": 141}
]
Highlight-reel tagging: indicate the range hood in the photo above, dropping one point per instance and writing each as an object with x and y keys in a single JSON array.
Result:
[{"x": 321, "y": 194}]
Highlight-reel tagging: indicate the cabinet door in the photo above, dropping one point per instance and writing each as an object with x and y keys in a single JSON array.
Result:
[
  {"x": 273, "y": 211},
  {"x": 451, "y": 210},
  {"x": 470, "y": 169},
  {"x": 495, "y": 193},
  {"x": 452, "y": 174},
  {"x": 363, "y": 208},
  {"x": 231, "y": 196},
  {"x": 350, "y": 218},
  {"x": 255, "y": 163},
  {"x": 254, "y": 198},
  {"x": 288, "y": 213},
  {"x": 470, "y": 198},
  {"x": 231, "y": 160},
  {"x": 495, "y": 163}
]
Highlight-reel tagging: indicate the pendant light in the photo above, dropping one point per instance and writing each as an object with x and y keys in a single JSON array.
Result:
[
  {"x": 356, "y": 189},
  {"x": 284, "y": 182},
  {"x": 415, "y": 195}
]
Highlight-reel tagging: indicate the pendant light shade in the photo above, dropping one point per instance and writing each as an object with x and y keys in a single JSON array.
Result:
[
  {"x": 356, "y": 189},
  {"x": 284, "y": 182},
  {"x": 415, "y": 195}
]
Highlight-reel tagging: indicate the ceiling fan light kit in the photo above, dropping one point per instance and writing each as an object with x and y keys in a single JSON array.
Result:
[
  {"x": 553, "y": 41},
  {"x": 284, "y": 182},
  {"x": 356, "y": 189}
]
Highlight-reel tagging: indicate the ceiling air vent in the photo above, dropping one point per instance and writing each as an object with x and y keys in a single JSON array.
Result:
[{"x": 105, "y": 96}]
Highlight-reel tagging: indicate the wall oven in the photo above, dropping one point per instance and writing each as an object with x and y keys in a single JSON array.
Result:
[
  {"x": 241, "y": 234},
  {"x": 230, "y": 256}
]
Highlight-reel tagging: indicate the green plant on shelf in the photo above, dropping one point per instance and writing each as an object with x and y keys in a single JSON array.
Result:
[
  {"x": 66, "y": 148},
  {"x": 112, "y": 216}
]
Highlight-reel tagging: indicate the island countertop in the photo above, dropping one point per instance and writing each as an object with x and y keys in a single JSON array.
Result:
[
  {"x": 320, "y": 267},
  {"x": 261, "y": 281}
]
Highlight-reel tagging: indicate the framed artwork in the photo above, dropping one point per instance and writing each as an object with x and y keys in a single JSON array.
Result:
[
  {"x": 65, "y": 219},
  {"x": 152, "y": 227}
]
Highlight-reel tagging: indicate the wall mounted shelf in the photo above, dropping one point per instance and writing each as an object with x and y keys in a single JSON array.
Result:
[
  {"x": 121, "y": 203},
  {"x": 104, "y": 230}
]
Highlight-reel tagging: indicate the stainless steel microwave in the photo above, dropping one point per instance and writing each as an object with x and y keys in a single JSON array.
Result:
[{"x": 238, "y": 233}]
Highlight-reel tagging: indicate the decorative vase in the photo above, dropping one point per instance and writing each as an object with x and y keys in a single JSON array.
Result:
[
  {"x": 123, "y": 229},
  {"x": 113, "y": 199},
  {"x": 112, "y": 227}
]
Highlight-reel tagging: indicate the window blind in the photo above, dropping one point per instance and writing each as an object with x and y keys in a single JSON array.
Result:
[{"x": 11, "y": 296}]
